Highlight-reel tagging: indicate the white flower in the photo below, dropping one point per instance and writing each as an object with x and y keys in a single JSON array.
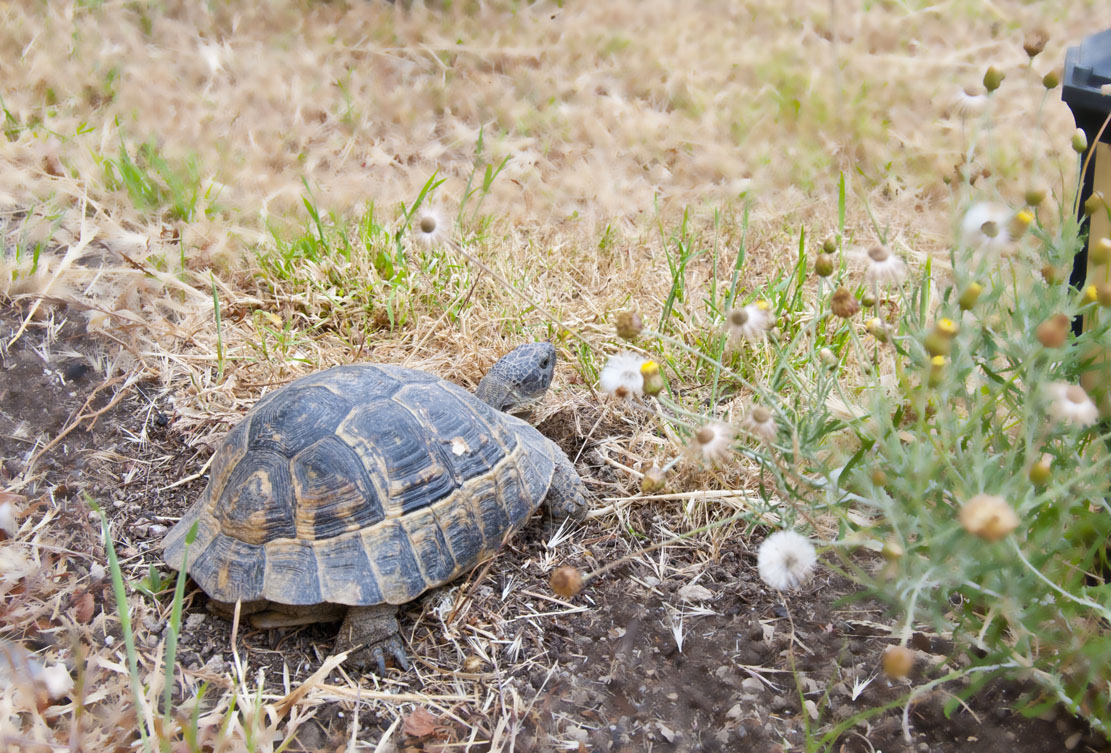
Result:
[
  {"x": 1071, "y": 404},
  {"x": 785, "y": 560},
  {"x": 970, "y": 101},
  {"x": 985, "y": 227},
  {"x": 430, "y": 227},
  {"x": 712, "y": 442},
  {"x": 622, "y": 376},
  {"x": 750, "y": 322},
  {"x": 760, "y": 423},
  {"x": 884, "y": 268}
]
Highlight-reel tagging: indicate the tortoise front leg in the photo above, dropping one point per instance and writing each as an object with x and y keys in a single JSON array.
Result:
[
  {"x": 371, "y": 635},
  {"x": 567, "y": 496}
]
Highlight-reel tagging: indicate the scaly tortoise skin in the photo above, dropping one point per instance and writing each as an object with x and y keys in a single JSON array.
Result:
[{"x": 360, "y": 487}]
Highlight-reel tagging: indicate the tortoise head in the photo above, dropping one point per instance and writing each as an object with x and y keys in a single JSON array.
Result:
[{"x": 519, "y": 378}]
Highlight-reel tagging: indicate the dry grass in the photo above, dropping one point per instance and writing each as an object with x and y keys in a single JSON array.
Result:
[{"x": 615, "y": 119}]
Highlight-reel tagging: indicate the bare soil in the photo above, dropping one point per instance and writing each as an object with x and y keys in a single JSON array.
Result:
[{"x": 754, "y": 670}]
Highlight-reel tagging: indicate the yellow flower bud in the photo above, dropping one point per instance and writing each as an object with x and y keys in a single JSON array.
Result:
[
  {"x": 653, "y": 379},
  {"x": 1042, "y": 471},
  {"x": 1034, "y": 196},
  {"x": 1051, "y": 79},
  {"x": 1079, "y": 141},
  {"x": 1091, "y": 295},
  {"x": 653, "y": 481},
  {"x": 937, "y": 371},
  {"x": 1100, "y": 251},
  {"x": 823, "y": 265},
  {"x": 993, "y": 77},
  {"x": 970, "y": 295}
]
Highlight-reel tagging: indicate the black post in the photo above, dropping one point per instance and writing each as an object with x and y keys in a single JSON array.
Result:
[{"x": 1087, "y": 71}]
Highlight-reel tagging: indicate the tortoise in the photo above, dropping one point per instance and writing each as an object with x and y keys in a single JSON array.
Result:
[{"x": 355, "y": 489}]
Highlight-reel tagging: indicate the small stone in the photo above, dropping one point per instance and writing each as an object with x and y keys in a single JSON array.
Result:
[{"x": 752, "y": 685}]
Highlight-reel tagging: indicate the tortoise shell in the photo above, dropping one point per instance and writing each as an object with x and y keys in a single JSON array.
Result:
[{"x": 360, "y": 485}]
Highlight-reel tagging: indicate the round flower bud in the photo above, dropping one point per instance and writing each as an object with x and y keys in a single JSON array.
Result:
[
  {"x": 653, "y": 379},
  {"x": 938, "y": 344},
  {"x": 878, "y": 477},
  {"x": 946, "y": 326},
  {"x": 653, "y": 480},
  {"x": 823, "y": 265},
  {"x": 1016, "y": 228},
  {"x": 1041, "y": 471},
  {"x": 829, "y": 245},
  {"x": 1079, "y": 141},
  {"x": 898, "y": 661},
  {"x": 877, "y": 329},
  {"x": 1100, "y": 251},
  {"x": 1034, "y": 196},
  {"x": 868, "y": 299},
  {"x": 1051, "y": 79},
  {"x": 993, "y": 77},
  {"x": 1034, "y": 42},
  {"x": 1091, "y": 294},
  {"x": 1054, "y": 331},
  {"x": 566, "y": 581},
  {"x": 1094, "y": 203},
  {"x": 988, "y": 516},
  {"x": 629, "y": 325},
  {"x": 970, "y": 295},
  {"x": 937, "y": 371},
  {"x": 829, "y": 359},
  {"x": 843, "y": 304},
  {"x": 1103, "y": 294}
]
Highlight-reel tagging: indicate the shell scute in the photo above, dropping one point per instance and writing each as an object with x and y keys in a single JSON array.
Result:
[
  {"x": 291, "y": 573},
  {"x": 344, "y": 570},
  {"x": 229, "y": 569},
  {"x": 468, "y": 442},
  {"x": 392, "y": 556},
  {"x": 391, "y": 439},
  {"x": 256, "y": 504},
  {"x": 334, "y": 492},
  {"x": 296, "y": 418},
  {"x": 429, "y": 546}
]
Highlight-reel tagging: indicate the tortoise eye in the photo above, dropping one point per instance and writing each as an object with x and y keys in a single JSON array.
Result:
[{"x": 544, "y": 362}]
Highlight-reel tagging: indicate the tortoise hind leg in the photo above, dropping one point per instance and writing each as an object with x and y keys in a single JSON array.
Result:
[{"x": 371, "y": 635}]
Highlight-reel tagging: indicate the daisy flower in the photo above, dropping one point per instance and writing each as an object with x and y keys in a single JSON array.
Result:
[
  {"x": 760, "y": 423},
  {"x": 622, "y": 376},
  {"x": 985, "y": 227},
  {"x": 430, "y": 227},
  {"x": 1070, "y": 404},
  {"x": 884, "y": 268},
  {"x": 750, "y": 322},
  {"x": 712, "y": 442},
  {"x": 785, "y": 559}
]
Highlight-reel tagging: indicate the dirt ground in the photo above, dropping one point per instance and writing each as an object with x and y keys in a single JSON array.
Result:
[{"x": 604, "y": 673}]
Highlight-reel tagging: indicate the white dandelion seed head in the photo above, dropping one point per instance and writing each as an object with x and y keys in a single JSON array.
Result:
[
  {"x": 1070, "y": 404},
  {"x": 760, "y": 423},
  {"x": 884, "y": 267},
  {"x": 622, "y": 376},
  {"x": 713, "y": 441},
  {"x": 429, "y": 227},
  {"x": 985, "y": 228},
  {"x": 750, "y": 322},
  {"x": 785, "y": 560},
  {"x": 970, "y": 101}
]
